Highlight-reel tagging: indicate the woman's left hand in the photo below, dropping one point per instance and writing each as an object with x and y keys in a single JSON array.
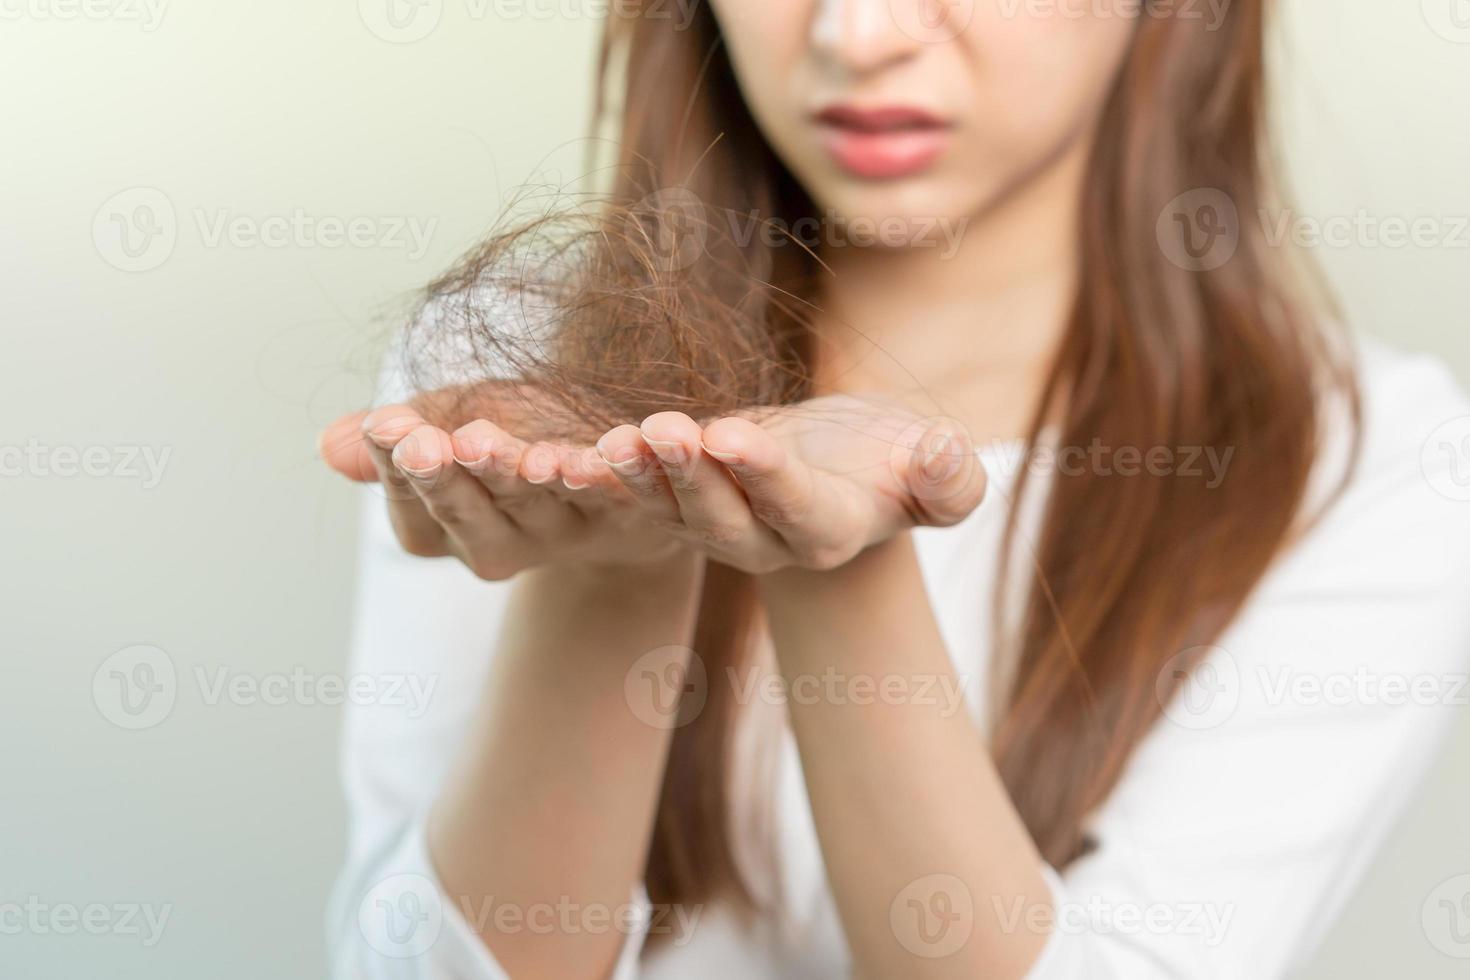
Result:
[{"x": 808, "y": 486}]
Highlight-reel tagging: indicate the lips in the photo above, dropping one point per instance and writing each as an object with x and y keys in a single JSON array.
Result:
[{"x": 884, "y": 142}]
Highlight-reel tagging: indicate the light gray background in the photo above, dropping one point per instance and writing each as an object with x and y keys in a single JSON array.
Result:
[{"x": 230, "y": 354}]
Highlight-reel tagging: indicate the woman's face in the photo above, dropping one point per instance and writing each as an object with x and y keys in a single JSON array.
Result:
[{"x": 922, "y": 109}]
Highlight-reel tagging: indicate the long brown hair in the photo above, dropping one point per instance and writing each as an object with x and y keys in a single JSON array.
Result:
[{"x": 1127, "y": 572}]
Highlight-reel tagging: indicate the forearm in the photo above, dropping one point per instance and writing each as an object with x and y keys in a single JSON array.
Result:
[
  {"x": 553, "y": 798},
  {"x": 909, "y": 808}
]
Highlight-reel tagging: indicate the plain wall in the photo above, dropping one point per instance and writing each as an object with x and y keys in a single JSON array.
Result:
[{"x": 227, "y": 354}]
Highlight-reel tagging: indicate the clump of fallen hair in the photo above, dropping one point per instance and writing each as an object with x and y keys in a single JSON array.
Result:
[{"x": 594, "y": 313}]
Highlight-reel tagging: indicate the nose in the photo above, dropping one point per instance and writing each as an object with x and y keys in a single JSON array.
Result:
[{"x": 861, "y": 37}]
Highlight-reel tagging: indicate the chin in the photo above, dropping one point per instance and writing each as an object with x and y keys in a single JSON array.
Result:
[{"x": 927, "y": 206}]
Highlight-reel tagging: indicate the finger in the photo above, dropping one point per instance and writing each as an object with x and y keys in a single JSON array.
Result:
[
  {"x": 579, "y": 468},
  {"x": 515, "y": 406},
  {"x": 632, "y": 461},
  {"x": 937, "y": 466},
  {"x": 345, "y": 449},
  {"x": 532, "y": 502},
  {"x": 492, "y": 455},
  {"x": 417, "y": 531},
  {"x": 502, "y": 464},
  {"x": 478, "y": 533},
  {"x": 711, "y": 504},
  {"x": 783, "y": 492},
  {"x": 589, "y": 483}
]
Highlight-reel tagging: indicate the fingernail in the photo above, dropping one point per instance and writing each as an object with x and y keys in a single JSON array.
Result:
[
  {"x": 940, "y": 463},
  {"x": 471, "y": 456},
  {"x": 542, "y": 463},
  {"x": 506, "y": 461},
  {"x": 733, "y": 459},
  {"x": 629, "y": 461},
  {"x": 669, "y": 452},
  {"x": 412, "y": 448},
  {"x": 477, "y": 465},
  {"x": 382, "y": 437},
  {"x": 423, "y": 474},
  {"x": 572, "y": 475}
]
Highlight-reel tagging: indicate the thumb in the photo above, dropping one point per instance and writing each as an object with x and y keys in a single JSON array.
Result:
[
  {"x": 942, "y": 473},
  {"x": 345, "y": 448}
]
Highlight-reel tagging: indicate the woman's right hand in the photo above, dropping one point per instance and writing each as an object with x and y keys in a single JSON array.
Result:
[{"x": 495, "y": 502}]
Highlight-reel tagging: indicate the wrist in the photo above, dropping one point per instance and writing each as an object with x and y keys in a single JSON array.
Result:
[
  {"x": 796, "y": 580},
  {"x": 659, "y": 576}
]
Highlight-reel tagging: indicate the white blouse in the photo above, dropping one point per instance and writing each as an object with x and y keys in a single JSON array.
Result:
[{"x": 1238, "y": 830}]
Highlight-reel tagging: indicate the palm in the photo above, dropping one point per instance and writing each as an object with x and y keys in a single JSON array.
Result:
[{"x": 863, "y": 452}]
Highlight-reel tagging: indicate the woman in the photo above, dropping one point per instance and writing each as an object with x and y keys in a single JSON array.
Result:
[{"x": 916, "y": 548}]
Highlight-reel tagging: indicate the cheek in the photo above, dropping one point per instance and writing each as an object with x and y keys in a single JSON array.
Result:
[
  {"x": 1042, "y": 81},
  {"x": 766, "y": 42}
]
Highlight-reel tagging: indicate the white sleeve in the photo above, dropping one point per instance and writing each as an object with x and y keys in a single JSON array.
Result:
[
  {"x": 425, "y": 629},
  {"x": 1247, "y": 816}
]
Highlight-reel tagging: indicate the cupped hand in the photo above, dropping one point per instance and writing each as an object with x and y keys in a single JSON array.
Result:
[
  {"x": 808, "y": 486},
  {"x": 496, "y": 502}
]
